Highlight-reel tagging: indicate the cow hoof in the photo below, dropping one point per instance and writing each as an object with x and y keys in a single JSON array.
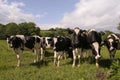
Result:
[
  {"x": 97, "y": 57},
  {"x": 35, "y": 61},
  {"x": 78, "y": 65},
  {"x": 97, "y": 65},
  {"x": 18, "y": 65},
  {"x": 73, "y": 66}
]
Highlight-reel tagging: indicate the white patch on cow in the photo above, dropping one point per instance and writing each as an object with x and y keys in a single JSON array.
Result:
[
  {"x": 111, "y": 46},
  {"x": 55, "y": 40},
  {"x": 46, "y": 41},
  {"x": 96, "y": 47},
  {"x": 110, "y": 40},
  {"x": 77, "y": 30},
  {"x": 116, "y": 37},
  {"x": 91, "y": 30}
]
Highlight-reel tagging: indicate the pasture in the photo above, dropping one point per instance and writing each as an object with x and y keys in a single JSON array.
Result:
[{"x": 46, "y": 70}]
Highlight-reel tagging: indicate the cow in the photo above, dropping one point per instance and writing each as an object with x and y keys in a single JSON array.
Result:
[
  {"x": 84, "y": 40},
  {"x": 76, "y": 46},
  {"x": 61, "y": 46},
  {"x": 19, "y": 43},
  {"x": 94, "y": 39},
  {"x": 112, "y": 43}
]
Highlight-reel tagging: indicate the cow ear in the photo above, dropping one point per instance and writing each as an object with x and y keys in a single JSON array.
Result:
[{"x": 117, "y": 40}]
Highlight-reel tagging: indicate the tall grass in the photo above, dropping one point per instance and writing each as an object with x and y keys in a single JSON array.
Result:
[{"x": 46, "y": 70}]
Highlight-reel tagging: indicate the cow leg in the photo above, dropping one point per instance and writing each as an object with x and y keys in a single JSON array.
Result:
[
  {"x": 74, "y": 57},
  {"x": 42, "y": 54},
  {"x": 58, "y": 59},
  {"x": 112, "y": 54},
  {"x": 90, "y": 56},
  {"x": 97, "y": 64},
  {"x": 64, "y": 54},
  {"x": 79, "y": 51},
  {"x": 36, "y": 58},
  {"x": 19, "y": 56},
  {"x": 55, "y": 56}
]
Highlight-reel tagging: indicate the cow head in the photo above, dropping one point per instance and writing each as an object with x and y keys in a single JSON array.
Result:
[
  {"x": 76, "y": 31},
  {"x": 14, "y": 41},
  {"x": 76, "y": 36},
  {"x": 111, "y": 42}
]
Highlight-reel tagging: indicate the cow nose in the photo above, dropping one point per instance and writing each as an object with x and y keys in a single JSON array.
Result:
[{"x": 111, "y": 48}]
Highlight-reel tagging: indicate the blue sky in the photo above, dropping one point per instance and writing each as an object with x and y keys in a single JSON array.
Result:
[
  {"x": 86, "y": 14},
  {"x": 52, "y": 11}
]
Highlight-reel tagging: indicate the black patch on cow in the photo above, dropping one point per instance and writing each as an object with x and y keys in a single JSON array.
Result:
[
  {"x": 76, "y": 40},
  {"x": 93, "y": 36},
  {"x": 16, "y": 42},
  {"x": 30, "y": 42},
  {"x": 59, "y": 44}
]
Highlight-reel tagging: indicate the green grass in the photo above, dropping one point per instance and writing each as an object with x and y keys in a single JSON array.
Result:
[{"x": 48, "y": 71}]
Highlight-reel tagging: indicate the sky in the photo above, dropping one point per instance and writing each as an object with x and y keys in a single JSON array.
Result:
[{"x": 85, "y": 14}]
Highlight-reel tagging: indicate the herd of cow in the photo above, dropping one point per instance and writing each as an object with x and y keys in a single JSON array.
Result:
[{"x": 76, "y": 46}]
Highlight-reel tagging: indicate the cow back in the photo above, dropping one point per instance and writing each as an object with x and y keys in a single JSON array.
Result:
[{"x": 94, "y": 36}]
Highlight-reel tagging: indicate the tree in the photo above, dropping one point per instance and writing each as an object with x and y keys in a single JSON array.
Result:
[
  {"x": 118, "y": 26},
  {"x": 29, "y": 29},
  {"x": 12, "y": 29},
  {"x": 2, "y": 31}
]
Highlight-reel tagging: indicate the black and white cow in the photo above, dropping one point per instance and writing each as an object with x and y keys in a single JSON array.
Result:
[
  {"x": 76, "y": 46},
  {"x": 19, "y": 43},
  {"x": 48, "y": 42},
  {"x": 94, "y": 39},
  {"x": 112, "y": 42},
  {"x": 61, "y": 46}
]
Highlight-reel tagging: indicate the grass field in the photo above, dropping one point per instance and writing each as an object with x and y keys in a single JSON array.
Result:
[{"x": 48, "y": 71}]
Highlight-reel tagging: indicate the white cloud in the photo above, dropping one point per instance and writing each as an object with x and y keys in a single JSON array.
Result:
[
  {"x": 41, "y": 15},
  {"x": 12, "y": 12},
  {"x": 48, "y": 26},
  {"x": 98, "y": 14}
]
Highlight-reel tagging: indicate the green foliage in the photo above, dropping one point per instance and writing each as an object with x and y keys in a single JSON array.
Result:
[
  {"x": 22, "y": 28},
  {"x": 12, "y": 28},
  {"x": 56, "y": 32},
  {"x": 28, "y": 29},
  {"x": 2, "y": 31},
  {"x": 114, "y": 70}
]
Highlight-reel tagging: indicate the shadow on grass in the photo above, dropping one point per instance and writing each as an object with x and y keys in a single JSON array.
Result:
[
  {"x": 48, "y": 57},
  {"x": 49, "y": 53},
  {"x": 39, "y": 64},
  {"x": 106, "y": 63}
]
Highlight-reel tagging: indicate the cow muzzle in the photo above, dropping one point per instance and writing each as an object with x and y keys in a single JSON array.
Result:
[{"x": 111, "y": 48}]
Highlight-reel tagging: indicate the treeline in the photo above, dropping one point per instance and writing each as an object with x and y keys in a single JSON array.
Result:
[
  {"x": 68, "y": 32},
  {"x": 29, "y": 28},
  {"x": 26, "y": 28}
]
